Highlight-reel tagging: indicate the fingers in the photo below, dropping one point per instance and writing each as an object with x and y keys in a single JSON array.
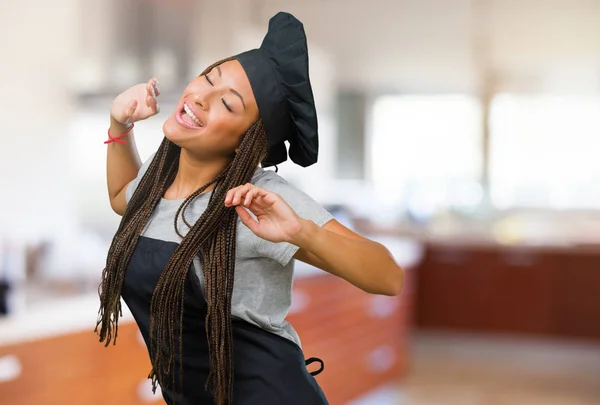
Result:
[
  {"x": 152, "y": 87},
  {"x": 156, "y": 89},
  {"x": 129, "y": 110},
  {"x": 243, "y": 195},
  {"x": 150, "y": 95},
  {"x": 246, "y": 218},
  {"x": 152, "y": 102},
  {"x": 131, "y": 107},
  {"x": 152, "y": 92},
  {"x": 253, "y": 192},
  {"x": 235, "y": 195}
]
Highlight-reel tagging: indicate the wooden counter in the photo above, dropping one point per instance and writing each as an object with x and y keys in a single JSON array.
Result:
[
  {"x": 362, "y": 338},
  {"x": 540, "y": 290},
  {"x": 76, "y": 369}
]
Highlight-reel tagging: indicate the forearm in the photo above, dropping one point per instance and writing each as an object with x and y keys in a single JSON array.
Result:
[
  {"x": 122, "y": 160},
  {"x": 360, "y": 261}
]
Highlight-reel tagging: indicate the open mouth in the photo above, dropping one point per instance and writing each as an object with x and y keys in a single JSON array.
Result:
[{"x": 188, "y": 119}]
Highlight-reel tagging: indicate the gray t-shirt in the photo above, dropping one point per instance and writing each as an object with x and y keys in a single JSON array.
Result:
[{"x": 262, "y": 289}]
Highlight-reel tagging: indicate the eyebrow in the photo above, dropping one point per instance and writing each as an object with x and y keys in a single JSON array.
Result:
[
  {"x": 240, "y": 96},
  {"x": 232, "y": 90}
]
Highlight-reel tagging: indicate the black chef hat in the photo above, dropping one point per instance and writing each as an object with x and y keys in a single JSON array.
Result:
[{"x": 278, "y": 74}]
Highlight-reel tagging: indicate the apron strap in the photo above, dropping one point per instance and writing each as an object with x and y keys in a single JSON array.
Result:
[{"x": 318, "y": 360}]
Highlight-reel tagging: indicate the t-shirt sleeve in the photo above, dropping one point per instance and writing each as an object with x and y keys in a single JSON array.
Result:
[
  {"x": 133, "y": 185},
  {"x": 305, "y": 207}
]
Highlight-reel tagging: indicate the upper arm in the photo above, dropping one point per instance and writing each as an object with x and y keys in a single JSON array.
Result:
[{"x": 119, "y": 202}]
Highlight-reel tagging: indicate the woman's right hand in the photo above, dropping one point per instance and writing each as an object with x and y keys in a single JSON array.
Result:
[{"x": 136, "y": 103}]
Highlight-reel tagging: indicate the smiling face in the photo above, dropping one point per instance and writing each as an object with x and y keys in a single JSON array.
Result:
[{"x": 214, "y": 112}]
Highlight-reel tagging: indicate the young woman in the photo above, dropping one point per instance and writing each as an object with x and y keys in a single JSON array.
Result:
[{"x": 203, "y": 253}]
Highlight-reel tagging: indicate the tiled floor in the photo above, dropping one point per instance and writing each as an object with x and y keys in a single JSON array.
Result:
[{"x": 453, "y": 369}]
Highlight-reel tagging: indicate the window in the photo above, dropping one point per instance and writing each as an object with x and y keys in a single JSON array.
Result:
[
  {"x": 426, "y": 152},
  {"x": 545, "y": 151}
]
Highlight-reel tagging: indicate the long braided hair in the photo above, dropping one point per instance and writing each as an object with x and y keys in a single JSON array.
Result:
[{"x": 212, "y": 237}]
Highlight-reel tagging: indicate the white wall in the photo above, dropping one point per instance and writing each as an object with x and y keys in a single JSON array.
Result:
[
  {"x": 430, "y": 45},
  {"x": 37, "y": 42}
]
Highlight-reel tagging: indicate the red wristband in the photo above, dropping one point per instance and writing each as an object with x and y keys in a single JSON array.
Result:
[{"x": 118, "y": 138}]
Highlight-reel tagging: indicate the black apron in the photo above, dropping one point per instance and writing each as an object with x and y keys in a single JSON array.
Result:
[{"x": 268, "y": 369}]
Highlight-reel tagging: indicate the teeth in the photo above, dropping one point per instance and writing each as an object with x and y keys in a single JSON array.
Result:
[{"x": 191, "y": 114}]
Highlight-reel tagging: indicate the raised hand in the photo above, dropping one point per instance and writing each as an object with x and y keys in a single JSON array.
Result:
[
  {"x": 275, "y": 220},
  {"x": 136, "y": 103}
]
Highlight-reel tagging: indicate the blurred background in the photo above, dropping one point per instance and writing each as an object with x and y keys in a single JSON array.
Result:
[{"x": 462, "y": 134}]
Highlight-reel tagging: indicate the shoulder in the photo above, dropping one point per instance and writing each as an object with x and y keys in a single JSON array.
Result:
[
  {"x": 272, "y": 181},
  {"x": 301, "y": 202},
  {"x": 264, "y": 177}
]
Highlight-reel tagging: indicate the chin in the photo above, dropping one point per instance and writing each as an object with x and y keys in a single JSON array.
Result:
[{"x": 173, "y": 132}]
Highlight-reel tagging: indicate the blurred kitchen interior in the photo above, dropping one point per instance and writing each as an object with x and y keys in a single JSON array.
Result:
[{"x": 463, "y": 134}]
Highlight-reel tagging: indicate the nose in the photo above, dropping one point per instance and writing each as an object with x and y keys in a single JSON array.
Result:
[
  {"x": 200, "y": 100},
  {"x": 202, "y": 97}
]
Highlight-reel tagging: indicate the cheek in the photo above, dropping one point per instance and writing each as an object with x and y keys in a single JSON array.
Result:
[{"x": 226, "y": 128}]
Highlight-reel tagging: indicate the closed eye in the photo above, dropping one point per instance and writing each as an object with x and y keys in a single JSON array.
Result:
[
  {"x": 227, "y": 105},
  {"x": 223, "y": 100}
]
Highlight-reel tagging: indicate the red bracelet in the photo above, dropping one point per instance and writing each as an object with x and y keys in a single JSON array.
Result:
[{"x": 118, "y": 138}]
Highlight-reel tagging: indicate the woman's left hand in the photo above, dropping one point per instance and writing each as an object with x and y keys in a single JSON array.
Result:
[{"x": 275, "y": 220}]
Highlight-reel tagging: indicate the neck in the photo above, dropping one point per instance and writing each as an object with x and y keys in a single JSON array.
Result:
[{"x": 192, "y": 174}]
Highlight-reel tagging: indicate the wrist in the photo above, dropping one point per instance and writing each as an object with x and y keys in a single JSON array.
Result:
[
  {"x": 118, "y": 127},
  {"x": 306, "y": 234},
  {"x": 121, "y": 134}
]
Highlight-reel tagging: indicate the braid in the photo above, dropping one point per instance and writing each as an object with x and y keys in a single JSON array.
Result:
[
  {"x": 121, "y": 249},
  {"x": 212, "y": 237}
]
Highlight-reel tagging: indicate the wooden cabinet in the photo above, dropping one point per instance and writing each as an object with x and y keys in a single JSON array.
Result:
[
  {"x": 444, "y": 278},
  {"x": 362, "y": 338},
  {"x": 531, "y": 290},
  {"x": 520, "y": 292},
  {"x": 77, "y": 369},
  {"x": 576, "y": 295}
]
